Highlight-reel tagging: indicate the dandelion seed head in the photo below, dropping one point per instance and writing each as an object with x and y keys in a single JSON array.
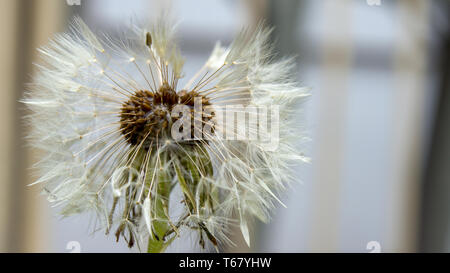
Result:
[{"x": 104, "y": 113}]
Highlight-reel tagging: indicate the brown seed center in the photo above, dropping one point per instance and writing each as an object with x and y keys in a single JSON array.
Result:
[{"x": 146, "y": 118}]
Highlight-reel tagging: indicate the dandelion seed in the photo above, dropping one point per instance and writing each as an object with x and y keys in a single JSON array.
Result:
[{"x": 119, "y": 134}]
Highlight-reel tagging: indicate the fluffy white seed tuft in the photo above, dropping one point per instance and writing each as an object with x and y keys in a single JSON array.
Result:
[{"x": 88, "y": 102}]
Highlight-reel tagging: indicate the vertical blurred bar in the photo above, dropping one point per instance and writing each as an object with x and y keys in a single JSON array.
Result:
[
  {"x": 408, "y": 132},
  {"x": 28, "y": 25},
  {"x": 8, "y": 49},
  {"x": 336, "y": 65},
  {"x": 49, "y": 17},
  {"x": 283, "y": 16},
  {"x": 435, "y": 226},
  {"x": 258, "y": 10},
  {"x": 19, "y": 200}
]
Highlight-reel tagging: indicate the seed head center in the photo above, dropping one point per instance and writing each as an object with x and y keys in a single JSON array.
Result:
[{"x": 146, "y": 117}]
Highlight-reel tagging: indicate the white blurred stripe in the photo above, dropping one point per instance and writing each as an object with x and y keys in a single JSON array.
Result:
[
  {"x": 407, "y": 145},
  {"x": 328, "y": 156}
]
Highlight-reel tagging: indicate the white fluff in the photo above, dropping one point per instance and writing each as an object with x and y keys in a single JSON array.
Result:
[{"x": 75, "y": 101}]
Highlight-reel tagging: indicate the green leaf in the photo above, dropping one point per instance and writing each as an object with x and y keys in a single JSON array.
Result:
[
  {"x": 161, "y": 223},
  {"x": 184, "y": 187},
  {"x": 158, "y": 246},
  {"x": 159, "y": 214}
]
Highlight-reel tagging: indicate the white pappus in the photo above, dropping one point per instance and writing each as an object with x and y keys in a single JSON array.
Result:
[{"x": 103, "y": 112}]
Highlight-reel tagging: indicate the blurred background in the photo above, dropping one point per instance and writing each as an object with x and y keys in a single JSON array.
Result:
[{"x": 378, "y": 119}]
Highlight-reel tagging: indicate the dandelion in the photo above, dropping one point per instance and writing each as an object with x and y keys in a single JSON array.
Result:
[{"x": 121, "y": 136}]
